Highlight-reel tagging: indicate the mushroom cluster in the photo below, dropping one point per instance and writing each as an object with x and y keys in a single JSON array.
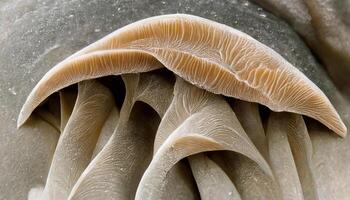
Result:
[{"x": 173, "y": 107}]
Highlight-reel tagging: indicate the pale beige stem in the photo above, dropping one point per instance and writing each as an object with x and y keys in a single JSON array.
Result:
[
  {"x": 212, "y": 181},
  {"x": 301, "y": 146},
  {"x": 251, "y": 182},
  {"x": 281, "y": 157},
  {"x": 249, "y": 116},
  {"x": 116, "y": 171},
  {"x": 196, "y": 121},
  {"x": 77, "y": 142}
]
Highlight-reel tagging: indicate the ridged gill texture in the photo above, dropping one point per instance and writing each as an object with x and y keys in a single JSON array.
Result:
[{"x": 205, "y": 53}]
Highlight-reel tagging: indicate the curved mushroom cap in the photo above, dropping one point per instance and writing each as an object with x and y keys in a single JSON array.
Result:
[
  {"x": 215, "y": 57},
  {"x": 89, "y": 66}
]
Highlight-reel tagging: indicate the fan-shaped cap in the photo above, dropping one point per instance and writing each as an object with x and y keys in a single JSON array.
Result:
[{"x": 215, "y": 57}]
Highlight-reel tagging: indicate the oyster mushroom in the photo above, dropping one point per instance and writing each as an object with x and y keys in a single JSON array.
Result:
[
  {"x": 210, "y": 55},
  {"x": 219, "y": 59},
  {"x": 55, "y": 33}
]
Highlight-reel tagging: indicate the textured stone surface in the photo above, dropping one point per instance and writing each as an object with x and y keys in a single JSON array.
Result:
[{"x": 35, "y": 35}]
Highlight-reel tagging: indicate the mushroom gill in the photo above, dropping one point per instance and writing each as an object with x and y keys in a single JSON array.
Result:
[
  {"x": 210, "y": 55},
  {"x": 187, "y": 119}
]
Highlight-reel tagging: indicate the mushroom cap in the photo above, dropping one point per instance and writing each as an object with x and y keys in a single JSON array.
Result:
[{"x": 208, "y": 54}]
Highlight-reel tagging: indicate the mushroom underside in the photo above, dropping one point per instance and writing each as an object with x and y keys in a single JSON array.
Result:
[{"x": 176, "y": 107}]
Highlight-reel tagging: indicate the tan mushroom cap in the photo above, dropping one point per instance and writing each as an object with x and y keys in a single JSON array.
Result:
[
  {"x": 211, "y": 55},
  {"x": 89, "y": 66}
]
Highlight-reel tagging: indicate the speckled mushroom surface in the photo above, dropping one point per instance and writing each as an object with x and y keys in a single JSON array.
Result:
[{"x": 127, "y": 100}]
